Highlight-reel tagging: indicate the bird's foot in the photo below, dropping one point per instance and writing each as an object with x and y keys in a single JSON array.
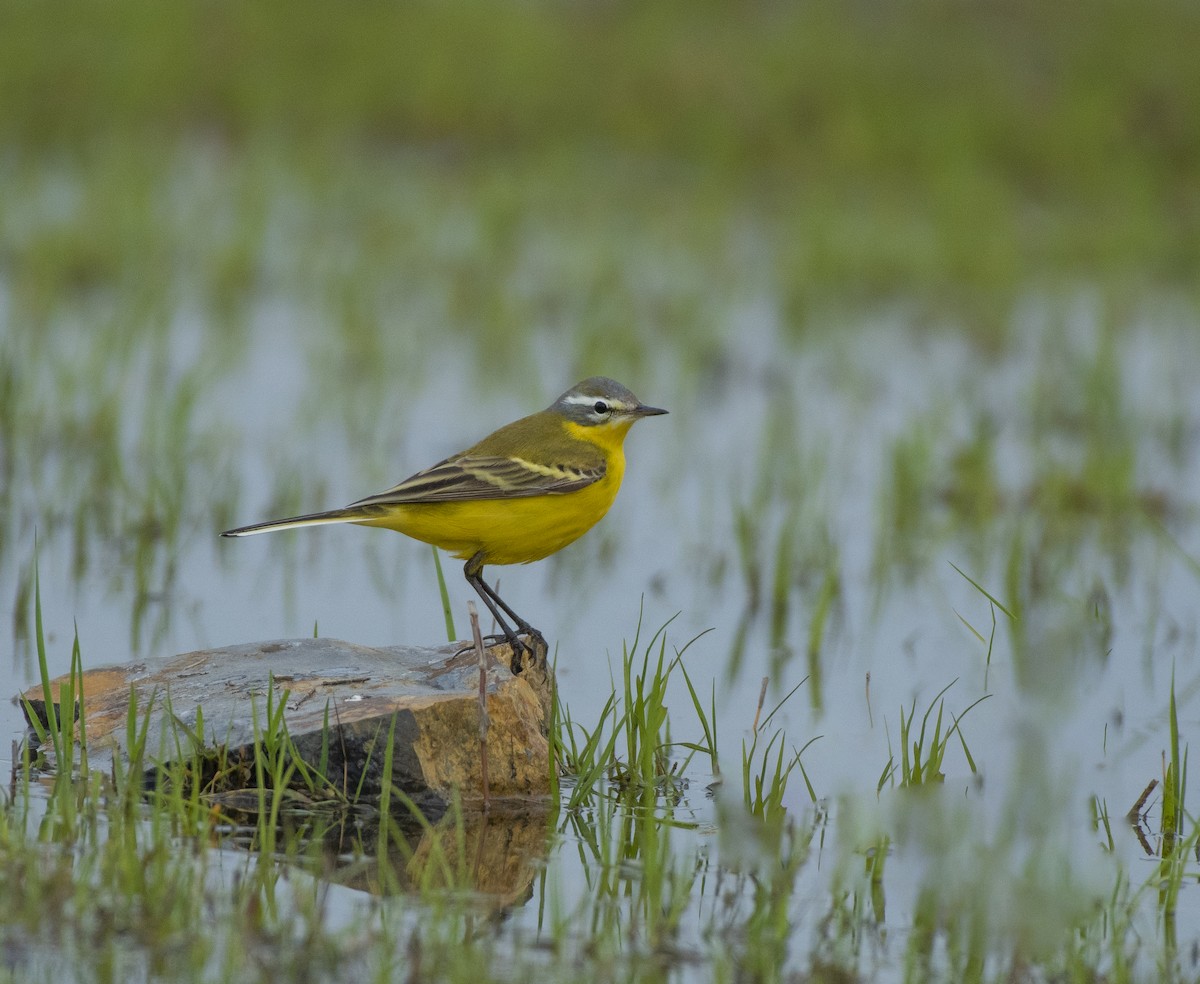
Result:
[
  {"x": 528, "y": 647},
  {"x": 537, "y": 653},
  {"x": 526, "y": 652}
]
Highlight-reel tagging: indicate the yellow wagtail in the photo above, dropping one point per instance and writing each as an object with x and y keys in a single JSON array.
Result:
[{"x": 520, "y": 494}]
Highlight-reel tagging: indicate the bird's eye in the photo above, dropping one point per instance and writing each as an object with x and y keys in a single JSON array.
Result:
[{"x": 601, "y": 407}]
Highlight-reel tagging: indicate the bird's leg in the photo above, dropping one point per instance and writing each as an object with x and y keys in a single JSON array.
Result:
[
  {"x": 473, "y": 571},
  {"x": 523, "y": 626}
]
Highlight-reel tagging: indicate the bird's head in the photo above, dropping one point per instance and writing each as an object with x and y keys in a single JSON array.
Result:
[{"x": 602, "y": 402}]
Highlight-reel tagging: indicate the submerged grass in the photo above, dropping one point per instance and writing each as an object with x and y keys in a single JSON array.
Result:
[
  {"x": 139, "y": 887},
  {"x": 921, "y": 763},
  {"x": 633, "y": 720}
]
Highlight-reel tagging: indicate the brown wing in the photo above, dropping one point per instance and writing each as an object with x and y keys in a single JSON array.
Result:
[{"x": 469, "y": 477}]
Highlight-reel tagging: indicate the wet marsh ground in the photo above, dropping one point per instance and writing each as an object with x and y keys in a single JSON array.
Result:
[{"x": 919, "y": 292}]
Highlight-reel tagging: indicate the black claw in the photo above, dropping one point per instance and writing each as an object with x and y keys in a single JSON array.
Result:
[{"x": 523, "y": 654}]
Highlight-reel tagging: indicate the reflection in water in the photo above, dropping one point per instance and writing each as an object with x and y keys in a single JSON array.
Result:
[{"x": 495, "y": 855}]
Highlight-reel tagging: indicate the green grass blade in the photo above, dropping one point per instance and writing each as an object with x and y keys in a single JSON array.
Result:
[
  {"x": 52, "y": 728},
  {"x": 451, "y": 634},
  {"x": 983, "y": 591}
]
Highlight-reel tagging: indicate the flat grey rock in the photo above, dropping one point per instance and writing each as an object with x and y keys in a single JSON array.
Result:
[{"x": 339, "y": 701}]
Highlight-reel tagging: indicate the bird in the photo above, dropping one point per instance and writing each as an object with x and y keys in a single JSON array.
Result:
[{"x": 519, "y": 495}]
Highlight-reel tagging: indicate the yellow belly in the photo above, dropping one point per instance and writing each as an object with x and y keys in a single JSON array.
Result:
[{"x": 507, "y": 531}]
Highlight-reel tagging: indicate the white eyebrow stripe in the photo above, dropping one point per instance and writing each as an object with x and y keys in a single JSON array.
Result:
[{"x": 589, "y": 401}]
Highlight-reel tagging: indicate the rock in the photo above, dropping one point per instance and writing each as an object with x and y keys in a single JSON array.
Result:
[{"x": 338, "y": 702}]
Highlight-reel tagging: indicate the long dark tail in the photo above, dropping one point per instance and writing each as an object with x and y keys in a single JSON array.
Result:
[{"x": 348, "y": 515}]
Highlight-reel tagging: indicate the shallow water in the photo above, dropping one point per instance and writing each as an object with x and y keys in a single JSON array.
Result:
[{"x": 778, "y": 474}]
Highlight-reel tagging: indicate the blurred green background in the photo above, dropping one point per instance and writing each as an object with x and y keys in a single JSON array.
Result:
[{"x": 948, "y": 152}]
